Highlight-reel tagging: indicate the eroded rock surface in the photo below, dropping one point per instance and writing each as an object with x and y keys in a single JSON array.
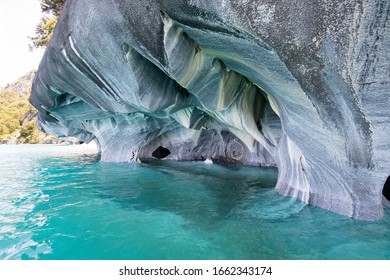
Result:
[{"x": 300, "y": 85}]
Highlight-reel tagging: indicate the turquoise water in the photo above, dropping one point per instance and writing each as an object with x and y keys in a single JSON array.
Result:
[{"x": 56, "y": 202}]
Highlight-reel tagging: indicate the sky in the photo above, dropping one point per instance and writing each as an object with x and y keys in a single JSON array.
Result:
[{"x": 18, "y": 19}]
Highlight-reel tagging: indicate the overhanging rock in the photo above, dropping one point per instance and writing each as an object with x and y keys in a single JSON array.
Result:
[{"x": 303, "y": 86}]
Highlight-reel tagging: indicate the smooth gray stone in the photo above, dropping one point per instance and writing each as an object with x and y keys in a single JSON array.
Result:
[{"x": 300, "y": 85}]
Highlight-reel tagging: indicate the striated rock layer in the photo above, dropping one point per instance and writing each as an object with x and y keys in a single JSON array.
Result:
[{"x": 300, "y": 85}]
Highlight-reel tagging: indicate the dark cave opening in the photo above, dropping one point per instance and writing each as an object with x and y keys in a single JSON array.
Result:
[
  {"x": 386, "y": 189},
  {"x": 161, "y": 152}
]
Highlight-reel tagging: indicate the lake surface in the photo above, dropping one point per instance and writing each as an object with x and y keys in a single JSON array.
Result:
[{"x": 60, "y": 202}]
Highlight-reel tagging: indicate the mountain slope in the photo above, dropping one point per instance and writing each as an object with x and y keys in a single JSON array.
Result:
[{"x": 17, "y": 116}]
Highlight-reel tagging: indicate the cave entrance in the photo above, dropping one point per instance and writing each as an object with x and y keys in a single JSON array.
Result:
[
  {"x": 161, "y": 152},
  {"x": 386, "y": 189}
]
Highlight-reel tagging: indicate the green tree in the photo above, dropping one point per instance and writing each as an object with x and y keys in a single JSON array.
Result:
[
  {"x": 52, "y": 6},
  {"x": 44, "y": 31},
  {"x": 45, "y": 28},
  {"x": 28, "y": 133}
]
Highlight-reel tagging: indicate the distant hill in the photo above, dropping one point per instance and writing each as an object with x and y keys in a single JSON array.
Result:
[
  {"x": 17, "y": 115},
  {"x": 22, "y": 86}
]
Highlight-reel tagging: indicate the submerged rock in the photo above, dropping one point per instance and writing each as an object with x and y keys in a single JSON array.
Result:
[{"x": 303, "y": 86}]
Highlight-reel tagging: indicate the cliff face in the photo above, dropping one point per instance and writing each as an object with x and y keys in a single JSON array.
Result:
[
  {"x": 303, "y": 86},
  {"x": 22, "y": 86}
]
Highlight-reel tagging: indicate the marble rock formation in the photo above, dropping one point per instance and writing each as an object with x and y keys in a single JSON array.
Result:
[{"x": 300, "y": 85}]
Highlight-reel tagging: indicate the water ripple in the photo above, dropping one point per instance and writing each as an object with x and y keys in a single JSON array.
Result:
[{"x": 59, "y": 204}]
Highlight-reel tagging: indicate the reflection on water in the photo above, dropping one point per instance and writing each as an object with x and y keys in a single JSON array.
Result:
[
  {"x": 58, "y": 203},
  {"x": 192, "y": 190}
]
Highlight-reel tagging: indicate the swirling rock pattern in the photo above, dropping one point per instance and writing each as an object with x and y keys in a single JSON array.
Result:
[{"x": 303, "y": 86}]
